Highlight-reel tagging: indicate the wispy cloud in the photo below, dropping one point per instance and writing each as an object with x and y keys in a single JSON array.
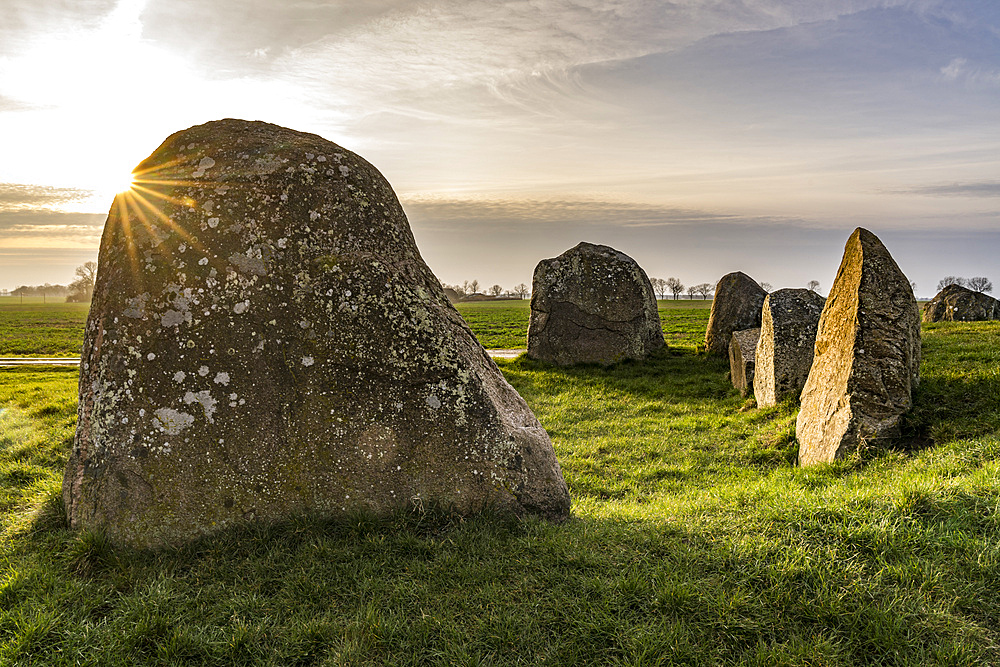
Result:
[
  {"x": 516, "y": 214},
  {"x": 979, "y": 189},
  {"x": 25, "y": 197}
]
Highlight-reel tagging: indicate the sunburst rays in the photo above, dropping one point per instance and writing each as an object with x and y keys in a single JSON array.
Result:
[{"x": 139, "y": 209}]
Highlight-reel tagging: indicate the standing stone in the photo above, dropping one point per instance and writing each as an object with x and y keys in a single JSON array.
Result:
[
  {"x": 266, "y": 340},
  {"x": 592, "y": 304},
  {"x": 867, "y": 356},
  {"x": 736, "y": 306},
  {"x": 742, "y": 351},
  {"x": 959, "y": 304},
  {"x": 785, "y": 350}
]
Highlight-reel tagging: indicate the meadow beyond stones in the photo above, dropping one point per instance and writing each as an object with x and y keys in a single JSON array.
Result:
[{"x": 695, "y": 538}]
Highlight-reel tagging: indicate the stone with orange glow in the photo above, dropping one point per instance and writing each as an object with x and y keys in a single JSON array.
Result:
[
  {"x": 866, "y": 360},
  {"x": 266, "y": 340}
]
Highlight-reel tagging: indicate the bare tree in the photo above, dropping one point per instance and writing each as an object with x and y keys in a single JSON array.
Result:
[
  {"x": 521, "y": 290},
  {"x": 767, "y": 287},
  {"x": 496, "y": 290},
  {"x": 675, "y": 286},
  {"x": 812, "y": 285},
  {"x": 82, "y": 289},
  {"x": 692, "y": 291},
  {"x": 659, "y": 286},
  {"x": 950, "y": 280},
  {"x": 704, "y": 289},
  {"x": 980, "y": 284},
  {"x": 474, "y": 287}
]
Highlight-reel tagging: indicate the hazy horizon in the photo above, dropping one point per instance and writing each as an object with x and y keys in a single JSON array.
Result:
[{"x": 698, "y": 137}]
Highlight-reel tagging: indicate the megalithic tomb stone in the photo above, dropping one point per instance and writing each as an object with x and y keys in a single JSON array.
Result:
[
  {"x": 785, "y": 349},
  {"x": 592, "y": 304},
  {"x": 742, "y": 359},
  {"x": 867, "y": 356},
  {"x": 959, "y": 304},
  {"x": 736, "y": 306},
  {"x": 266, "y": 340}
]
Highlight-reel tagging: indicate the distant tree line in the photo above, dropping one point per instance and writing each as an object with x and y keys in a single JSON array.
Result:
[
  {"x": 471, "y": 288},
  {"x": 977, "y": 284},
  {"x": 80, "y": 290}
]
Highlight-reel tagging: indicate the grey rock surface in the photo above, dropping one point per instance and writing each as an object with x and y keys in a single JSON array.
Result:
[
  {"x": 737, "y": 305},
  {"x": 867, "y": 356},
  {"x": 742, "y": 359},
  {"x": 270, "y": 342},
  {"x": 959, "y": 304},
  {"x": 592, "y": 304},
  {"x": 785, "y": 349}
]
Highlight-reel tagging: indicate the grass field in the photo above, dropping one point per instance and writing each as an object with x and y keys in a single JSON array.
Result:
[
  {"x": 694, "y": 540},
  {"x": 504, "y": 324},
  {"x": 37, "y": 328},
  {"x": 33, "y": 328}
]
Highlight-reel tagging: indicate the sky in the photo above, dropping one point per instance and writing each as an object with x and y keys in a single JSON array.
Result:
[{"x": 698, "y": 136}]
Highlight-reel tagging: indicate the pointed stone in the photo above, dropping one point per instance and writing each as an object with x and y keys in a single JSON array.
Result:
[
  {"x": 737, "y": 305},
  {"x": 867, "y": 356},
  {"x": 742, "y": 359},
  {"x": 592, "y": 304},
  {"x": 785, "y": 351},
  {"x": 265, "y": 340}
]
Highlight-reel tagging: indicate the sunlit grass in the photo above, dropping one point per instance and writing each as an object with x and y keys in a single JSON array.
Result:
[{"x": 694, "y": 540}]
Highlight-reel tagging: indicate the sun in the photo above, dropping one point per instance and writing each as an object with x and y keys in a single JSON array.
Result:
[{"x": 126, "y": 184}]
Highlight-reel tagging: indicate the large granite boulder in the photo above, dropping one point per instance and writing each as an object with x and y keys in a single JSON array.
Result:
[
  {"x": 867, "y": 356},
  {"x": 266, "y": 340},
  {"x": 736, "y": 306},
  {"x": 959, "y": 304},
  {"x": 592, "y": 304},
  {"x": 785, "y": 349},
  {"x": 742, "y": 359}
]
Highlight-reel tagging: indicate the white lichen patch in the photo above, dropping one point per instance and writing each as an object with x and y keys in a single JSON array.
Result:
[
  {"x": 307, "y": 361},
  {"x": 172, "y": 421},
  {"x": 205, "y": 164},
  {"x": 203, "y": 371},
  {"x": 203, "y": 398},
  {"x": 241, "y": 307},
  {"x": 179, "y": 376},
  {"x": 433, "y": 402},
  {"x": 213, "y": 222},
  {"x": 172, "y": 318},
  {"x": 222, "y": 378}
]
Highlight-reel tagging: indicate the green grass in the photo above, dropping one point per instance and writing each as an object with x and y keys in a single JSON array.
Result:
[
  {"x": 694, "y": 540},
  {"x": 37, "y": 329},
  {"x": 504, "y": 324}
]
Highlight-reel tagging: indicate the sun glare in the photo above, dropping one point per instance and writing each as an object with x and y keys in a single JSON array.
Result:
[{"x": 127, "y": 185}]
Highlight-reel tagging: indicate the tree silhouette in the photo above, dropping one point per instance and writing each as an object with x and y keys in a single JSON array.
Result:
[
  {"x": 980, "y": 284},
  {"x": 675, "y": 286}
]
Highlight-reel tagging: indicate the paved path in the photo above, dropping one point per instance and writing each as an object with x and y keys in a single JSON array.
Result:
[
  {"x": 39, "y": 361},
  {"x": 75, "y": 361}
]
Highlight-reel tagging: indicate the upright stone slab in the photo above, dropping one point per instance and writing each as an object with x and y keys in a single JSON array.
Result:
[
  {"x": 265, "y": 340},
  {"x": 742, "y": 359},
  {"x": 785, "y": 349},
  {"x": 959, "y": 304},
  {"x": 867, "y": 356},
  {"x": 736, "y": 306},
  {"x": 592, "y": 304}
]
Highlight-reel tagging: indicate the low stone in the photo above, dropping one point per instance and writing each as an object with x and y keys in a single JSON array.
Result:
[
  {"x": 736, "y": 306},
  {"x": 742, "y": 351},
  {"x": 867, "y": 356},
  {"x": 959, "y": 304},
  {"x": 592, "y": 304},
  {"x": 265, "y": 340},
  {"x": 785, "y": 350}
]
